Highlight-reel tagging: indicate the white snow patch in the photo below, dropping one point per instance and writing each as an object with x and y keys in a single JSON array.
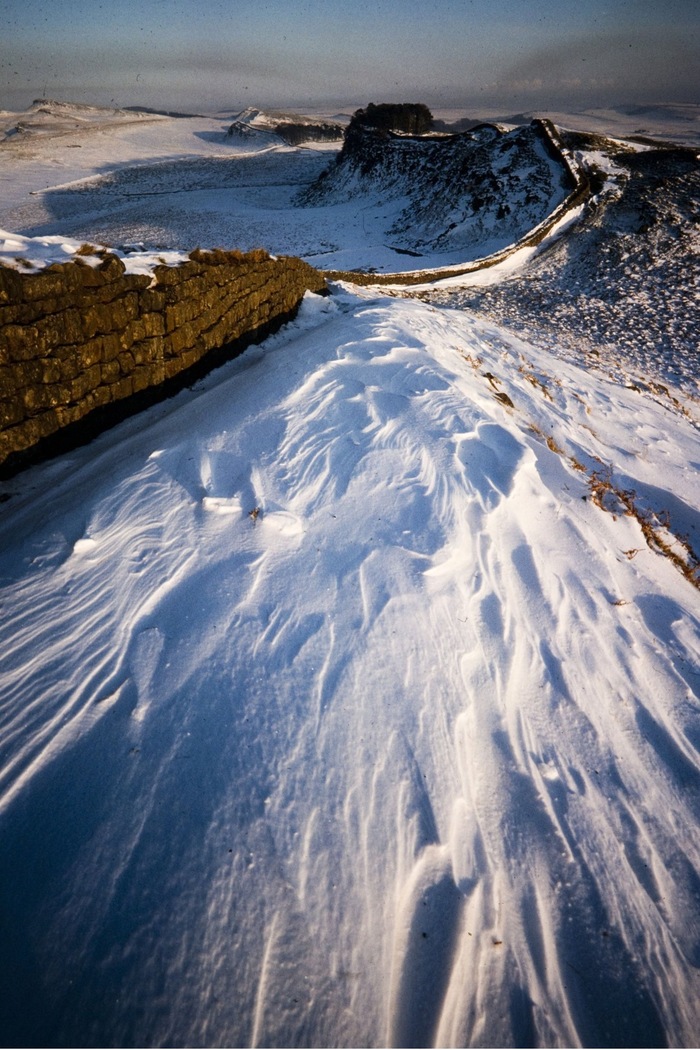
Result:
[{"x": 411, "y": 750}]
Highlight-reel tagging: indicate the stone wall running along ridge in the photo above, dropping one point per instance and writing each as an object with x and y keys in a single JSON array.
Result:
[{"x": 81, "y": 347}]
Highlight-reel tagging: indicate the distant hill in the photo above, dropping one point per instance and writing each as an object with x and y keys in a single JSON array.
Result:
[
  {"x": 293, "y": 129},
  {"x": 48, "y": 116}
]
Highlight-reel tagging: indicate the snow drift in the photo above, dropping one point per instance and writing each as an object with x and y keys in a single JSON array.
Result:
[
  {"x": 337, "y": 711},
  {"x": 351, "y": 697}
]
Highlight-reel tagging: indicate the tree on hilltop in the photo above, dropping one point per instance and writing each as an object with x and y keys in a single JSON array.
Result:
[{"x": 413, "y": 118}]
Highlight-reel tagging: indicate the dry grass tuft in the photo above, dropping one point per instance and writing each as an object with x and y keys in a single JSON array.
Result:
[
  {"x": 536, "y": 382},
  {"x": 655, "y": 525},
  {"x": 471, "y": 359}
]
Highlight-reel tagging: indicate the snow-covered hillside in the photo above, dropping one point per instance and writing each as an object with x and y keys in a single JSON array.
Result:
[
  {"x": 352, "y": 697},
  {"x": 625, "y": 285},
  {"x": 460, "y": 197},
  {"x": 423, "y": 203}
]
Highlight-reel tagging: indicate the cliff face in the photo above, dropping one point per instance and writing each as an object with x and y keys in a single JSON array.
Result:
[
  {"x": 81, "y": 347},
  {"x": 473, "y": 193},
  {"x": 253, "y": 123},
  {"x": 297, "y": 134}
]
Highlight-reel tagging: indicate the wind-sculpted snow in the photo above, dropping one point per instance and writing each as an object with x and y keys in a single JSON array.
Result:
[{"x": 339, "y": 710}]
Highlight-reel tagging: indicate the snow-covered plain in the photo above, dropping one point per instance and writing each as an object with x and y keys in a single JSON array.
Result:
[{"x": 351, "y": 698}]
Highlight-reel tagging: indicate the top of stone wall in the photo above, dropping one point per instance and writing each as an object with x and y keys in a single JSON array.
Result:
[{"x": 66, "y": 265}]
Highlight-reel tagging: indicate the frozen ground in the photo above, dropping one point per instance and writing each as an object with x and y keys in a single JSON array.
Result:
[{"x": 351, "y": 698}]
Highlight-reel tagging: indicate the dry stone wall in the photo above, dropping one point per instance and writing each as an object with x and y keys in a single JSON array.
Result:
[{"x": 83, "y": 346}]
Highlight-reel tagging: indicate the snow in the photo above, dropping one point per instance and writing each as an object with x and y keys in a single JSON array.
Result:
[
  {"x": 350, "y": 698},
  {"x": 197, "y": 187},
  {"x": 29, "y": 254},
  {"x": 673, "y": 122}
]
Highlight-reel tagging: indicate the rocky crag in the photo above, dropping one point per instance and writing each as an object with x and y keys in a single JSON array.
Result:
[{"x": 473, "y": 193}]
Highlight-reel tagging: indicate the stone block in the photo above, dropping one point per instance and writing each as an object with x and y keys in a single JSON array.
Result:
[
  {"x": 38, "y": 398},
  {"x": 40, "y": 426},
  {"x": 179, "y": 314},
  {"x": 143, "y": 378},
  {"x": 130, "y": 282},
  {"x": 148, "y": 349},
  {"x": 171, "y": 367},
  {"x": 166, "y": 276},
  {"x": 126, "y": 363},
  {"x": 47, "y": 284},
  {"x": 42, "y": 370},
  {"x": 85, "y": 382},
  {"x": 110, "y": 372},
  {"x": 109, "y": 270},
  {"x": 124, "y": 387},
  {"x": 8, "y": 382},
  {"x": 97, "y": 320},
  {"x": 189, "y": 358},
  {"x": 67, "y": 414},
  {"x": 96, "y": 398},
  {"x": 10, "y": 285},
  {"x": 62, "y": 329},
  {"x": 90, "y": 353},
  {"x": 153, "y": 324},
  {"x": 11, "y": 412},
  {"x": 152, "y": 301},
  {"x": 111, "y": 346},
  {"x": 20, "y": 342},
  {"x": 193, "y": 288}
]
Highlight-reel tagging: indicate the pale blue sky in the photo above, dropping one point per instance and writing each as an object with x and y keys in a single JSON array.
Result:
[{"x": 223, "y": 54}]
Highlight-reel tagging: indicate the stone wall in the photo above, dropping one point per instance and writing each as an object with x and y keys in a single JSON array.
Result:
[{"x": 82, "y": 347}]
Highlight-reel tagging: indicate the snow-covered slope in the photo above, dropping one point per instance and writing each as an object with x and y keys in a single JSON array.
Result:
[
  {"x": 624, "y": 286},
  {"x": 353, "y": 696},
  {"x": 396, "y": 204},
  {"x": 346, "y": 704}
]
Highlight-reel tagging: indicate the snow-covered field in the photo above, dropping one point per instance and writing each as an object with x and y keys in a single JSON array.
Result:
[{"x": 351, "y": 697}]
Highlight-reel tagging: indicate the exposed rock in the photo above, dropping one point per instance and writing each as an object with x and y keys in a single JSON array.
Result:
[
  {"x": 411, "y": 118},
  {"x": 474, "y": 193},
  {"x": 297, "y": 134}
]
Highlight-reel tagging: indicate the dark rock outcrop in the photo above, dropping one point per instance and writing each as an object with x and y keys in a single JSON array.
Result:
[
  {"x": 410, "y": 118},
  {"x": 473, "y": 193},
  {"x": 297, "y": 134}
]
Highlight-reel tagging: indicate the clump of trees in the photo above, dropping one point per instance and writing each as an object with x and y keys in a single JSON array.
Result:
[{"x": 413, "y": 118}]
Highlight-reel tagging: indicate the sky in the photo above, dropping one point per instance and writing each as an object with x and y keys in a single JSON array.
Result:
[{"x": 224, "y": 54}]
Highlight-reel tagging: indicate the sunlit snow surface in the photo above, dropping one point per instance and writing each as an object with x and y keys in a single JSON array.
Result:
[{"x": 337, "y": 712}]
